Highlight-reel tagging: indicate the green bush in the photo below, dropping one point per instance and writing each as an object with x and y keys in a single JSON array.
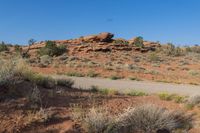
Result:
[
  {"x": 115, "y": 77},
  {"x": 120, "y": 42},
  {"x": 52, "y": 49},
  {"x": 179, "y": 99},
  {"x": 138, "y": 41},
  {"x": 136, "y": 93},
  {"x": 166, "y": 96},
  {"x": 135, "y": 78}
]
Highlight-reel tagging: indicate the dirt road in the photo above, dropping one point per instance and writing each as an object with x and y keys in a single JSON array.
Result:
[{"x": 124, "y": 85}]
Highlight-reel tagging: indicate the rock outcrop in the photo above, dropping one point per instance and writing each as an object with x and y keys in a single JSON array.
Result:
[
  {"x": 102, "y": 37},
  {"x": 102, "y": 42}
]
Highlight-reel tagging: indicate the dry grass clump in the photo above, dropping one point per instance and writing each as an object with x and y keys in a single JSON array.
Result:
[
  {"x": 13, "y": 71},
  {"x": 136, "y": 93},
  {"x": 108, "y": 91},
  {"x": 193, "y": 101},
  {"x": 166, "y": 96},
  {"x": 172, "y": 50},
  {"x": 6, "y": 72},
  {"x": 144, "y": 119},
  {"x": 97, "y": 121},
  {"x": 42, "y": 115},
  {"x": 34, "y": 98},
  {"x": 150, "y": 118}
]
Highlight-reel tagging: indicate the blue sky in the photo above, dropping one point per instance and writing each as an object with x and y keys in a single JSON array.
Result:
[{"x": 176, "y": 21}]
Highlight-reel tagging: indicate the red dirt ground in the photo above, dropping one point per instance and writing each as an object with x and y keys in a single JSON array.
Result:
[{"x": 15, "y": 114}]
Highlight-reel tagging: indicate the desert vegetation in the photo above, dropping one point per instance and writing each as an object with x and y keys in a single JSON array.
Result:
[
  {"x": 145, "y": 118},
  {"x": 102, "y": 56},
  {"x": 51, "y": 49},
  {"x": 19, "y": 82},
  {"x": 36, "y": 100}
]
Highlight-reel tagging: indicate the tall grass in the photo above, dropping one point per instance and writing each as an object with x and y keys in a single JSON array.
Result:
[
  {"x": 7, "y": 70},
  {"x": 15, "y": 70}
]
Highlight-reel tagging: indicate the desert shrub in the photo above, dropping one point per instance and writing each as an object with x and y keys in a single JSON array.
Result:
[
  {"x": 14, "y": 70},
  {"x": 193, "y": 72},
  {"x": 172, "y": 50},
  {"x": 150, "y": 118},
  {"x": 6, "y": 74},
  {"x": 194, "y": 100},
  {"x": 7, "y": 71},
  {"x": 178, "y": 52},
  {"x": 75, "y": 74},
  {"x": 46, "y": 60},
  {"x": 166, "y": 96},
  {"x": 153, "y": 57},
  {"x": 77, "y": 112},
  {"x": 138, "y": 42},
  {"x": 115, "y": 77},
  {"x": 121, "y": 42},
  {"x": 65, "y": 82},
  {"x": 52, "y": 49},
  {"x": 135, "y": 78},
  {"x": 34, "y": 98},
  {"x": 179, "y": 99},
  {"x": 136, "y": 93},
  {"x": 40, "y": 116},
  {"x": 23, "y": 71},
  {"x": 3, "y": 47},
  {"x": 107, "y": 91},
  {"x": 97, "y": 120},
  {"x": 22, "y": 68},
  {"x": 193, "y": 49},
  {"x": 189, "y": 106},
  {"x": 146, "y": 118},
  {"x": 44, "y": 81}
]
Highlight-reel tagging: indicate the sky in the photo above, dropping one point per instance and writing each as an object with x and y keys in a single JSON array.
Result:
[{"x": 174, "y": 21}]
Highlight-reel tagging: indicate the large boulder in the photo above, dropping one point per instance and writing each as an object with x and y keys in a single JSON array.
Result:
[
  {"x": 90, "y": 38},
  {"x": 102, "y": 37},
  {"x": 105, "y": 37}
]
